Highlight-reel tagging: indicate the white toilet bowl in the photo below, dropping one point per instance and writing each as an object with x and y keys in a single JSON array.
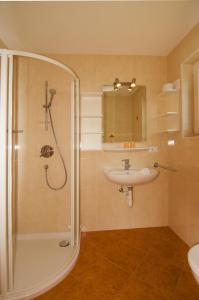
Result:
[{"x": 193, "y": 259}]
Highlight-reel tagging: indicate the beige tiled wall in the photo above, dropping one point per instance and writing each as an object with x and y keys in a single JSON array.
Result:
[
  {"x": 102, "y": 206},
  {"x": 184, "y": 184},
  {"x": 2, "y": 45},
  {"x": 38, "y": 208}
]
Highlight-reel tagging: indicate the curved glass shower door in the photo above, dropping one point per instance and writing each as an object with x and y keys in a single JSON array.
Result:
[{"x": 41, "y": 162}]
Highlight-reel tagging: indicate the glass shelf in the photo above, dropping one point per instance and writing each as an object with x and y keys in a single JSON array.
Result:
[
  {"x": 169, "y": 92},
  {"x": 135, "y": 149},
  {"x": 169, "y": 114},
  {"x": 170, "y": 130},
  {"x": 92, "y": 116}
]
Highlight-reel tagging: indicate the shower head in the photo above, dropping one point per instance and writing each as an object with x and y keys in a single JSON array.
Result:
[{"x": 52, "y": 94}]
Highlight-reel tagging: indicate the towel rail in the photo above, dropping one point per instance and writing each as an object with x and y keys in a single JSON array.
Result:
[{"x": 157, "y": 165}]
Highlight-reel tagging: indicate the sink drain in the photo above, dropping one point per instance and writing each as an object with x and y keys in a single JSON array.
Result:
[{"x": 64, "y": 243}]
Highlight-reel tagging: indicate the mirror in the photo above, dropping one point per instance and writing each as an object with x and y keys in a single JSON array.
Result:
[{"x": 124, "y": 115}]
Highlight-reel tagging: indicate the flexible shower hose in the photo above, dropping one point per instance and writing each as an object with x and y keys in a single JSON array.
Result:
[{"x": 61, "y": 157}]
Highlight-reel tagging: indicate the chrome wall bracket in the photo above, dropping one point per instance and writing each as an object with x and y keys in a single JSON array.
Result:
[{"x": 157, "y": 165}]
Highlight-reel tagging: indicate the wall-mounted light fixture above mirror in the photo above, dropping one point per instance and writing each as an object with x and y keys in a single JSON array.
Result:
[
  {"x": 124, "y": 113},
  {"x": 121, "y": 84}
]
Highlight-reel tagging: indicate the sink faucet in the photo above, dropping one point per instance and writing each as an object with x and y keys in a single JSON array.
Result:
[{"x": 126, "y": 164}]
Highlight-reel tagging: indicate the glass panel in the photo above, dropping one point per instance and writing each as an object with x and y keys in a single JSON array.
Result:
[
  {"x": 10, "y": 171},
  {"x": 0, "y": 236},
  {"x": 41, "y": 211},
  {"x": 3, "y": 177}
]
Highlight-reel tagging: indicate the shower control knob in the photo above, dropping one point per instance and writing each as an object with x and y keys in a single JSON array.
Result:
[{"x": 46, "y": 151}]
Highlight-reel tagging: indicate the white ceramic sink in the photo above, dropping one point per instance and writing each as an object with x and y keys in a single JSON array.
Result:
[{"x": 131, "y": 177}]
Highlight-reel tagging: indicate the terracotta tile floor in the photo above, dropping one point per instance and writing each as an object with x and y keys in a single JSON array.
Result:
[{"x": 137, "y": 264}]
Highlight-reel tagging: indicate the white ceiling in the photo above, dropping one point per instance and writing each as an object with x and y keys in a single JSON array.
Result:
[{"x": 138, "y": 27}]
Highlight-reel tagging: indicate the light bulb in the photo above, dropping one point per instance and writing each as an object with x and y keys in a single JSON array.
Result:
[
  {"x": 133, "y": 83},
  {"x": 117, "y": 83}
]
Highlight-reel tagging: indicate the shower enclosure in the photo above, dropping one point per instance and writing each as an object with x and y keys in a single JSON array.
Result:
[{"x": 39, "y": 173}]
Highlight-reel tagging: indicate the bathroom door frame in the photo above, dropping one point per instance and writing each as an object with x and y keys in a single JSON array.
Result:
[{"x": 6, "y": 92}]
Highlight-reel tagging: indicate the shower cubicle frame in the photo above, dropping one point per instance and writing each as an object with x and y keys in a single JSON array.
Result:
[{"x": 6, "y": 235}]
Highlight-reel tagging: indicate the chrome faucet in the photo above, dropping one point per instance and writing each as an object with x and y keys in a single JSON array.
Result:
[{"x": 126, "y": 164}]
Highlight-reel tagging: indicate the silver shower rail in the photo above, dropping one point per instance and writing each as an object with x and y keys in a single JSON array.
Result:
[{"x": 157, "y": 165}]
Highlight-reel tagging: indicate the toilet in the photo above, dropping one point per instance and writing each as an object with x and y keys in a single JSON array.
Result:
[{"x": 193, "y": 259}]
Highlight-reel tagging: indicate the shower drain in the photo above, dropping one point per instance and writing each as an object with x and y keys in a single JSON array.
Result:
[{"x": 64, "y": 243}]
